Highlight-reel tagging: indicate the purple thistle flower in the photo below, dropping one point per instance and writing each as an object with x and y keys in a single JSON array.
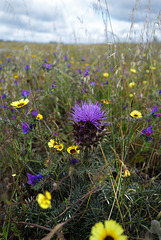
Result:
[
  {"x": 65, "y": 58},
  {"x": 31, "y": 179},
  {"x": 25, "y": 93},
  {"x": 89, "y": 121},
  {"x": 111, "y": 69},
  {"x": 25, "y": 127},
  {"x": 89, "y": 112},
  {"x": 16, "y": 82},
  {"x": 160, "y": 91}
]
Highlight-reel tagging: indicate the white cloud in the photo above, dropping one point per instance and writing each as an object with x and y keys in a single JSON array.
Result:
[{"x": 73, "y": 21}]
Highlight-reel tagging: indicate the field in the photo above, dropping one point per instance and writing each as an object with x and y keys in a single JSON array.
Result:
[{"x": 80, "y": 140}]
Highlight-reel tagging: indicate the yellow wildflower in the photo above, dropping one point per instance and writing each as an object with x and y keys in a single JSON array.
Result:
[
  {"x": 105, "y": 101},
  {"x": 44, "y": 201},
  {"x": 20, "y": 103},
  {"x": 39, "y": 117},
  {"x": 132, "y": 84},
  {"x": 152, "y": 68},
  {"x": 126, "y": 173},
  {"x": 133, "y": 70},
  {"x": 109, "y": 230},
  {"x": 52, "y": 143},
  {"x": 105, "y": 74},
  {"x": 73, "y": 149},
  {"x": 59, "y": 147},
  {"x": 136, "y": 114}
]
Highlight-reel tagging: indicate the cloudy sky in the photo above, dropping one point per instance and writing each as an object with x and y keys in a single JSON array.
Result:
[{"x": 80, "y": 21}]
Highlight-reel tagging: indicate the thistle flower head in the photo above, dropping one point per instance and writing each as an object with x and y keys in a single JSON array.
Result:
[
  {"x": 89, "y": 113},
  {"x": 88, "y": 121}
]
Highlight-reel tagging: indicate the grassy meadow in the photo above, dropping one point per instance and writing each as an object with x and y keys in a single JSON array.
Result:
[{"x": 53, "y": 186}]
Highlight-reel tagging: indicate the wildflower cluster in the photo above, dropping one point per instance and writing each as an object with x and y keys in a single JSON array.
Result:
[{"x": 80, "y": 141}]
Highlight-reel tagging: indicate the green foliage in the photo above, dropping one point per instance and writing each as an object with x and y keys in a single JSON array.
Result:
[{"x": 95, "y": 188}]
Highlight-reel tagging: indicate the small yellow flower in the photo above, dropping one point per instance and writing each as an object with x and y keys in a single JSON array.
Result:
[
  {"x": 14, "y": 174},
  {"x": 132, "y": 84},
  {"x": 144, "y": 82},
  {"x": 15, "y": 76},
  {"x": 105, "y": 101},
  {"x": 131, "y": 95},
  {"x": 39, "y": 117},
  {"x": 52, "y": 143},
  {"x": 59, "y": 147},
  {"x": 44, "y": 201},
  {"x": 152, "y": 68},
  {"x": 20, "y": 103},
  {"x": 73, "y": 149},
  {"x": 126, "y": 173},
  {"x": 147, "y": 71},
  {"x": 133, "y": 70},
  {"x": 136, "y": 114},
  {"x": 109, "y": 230},
  {"x": 105, "y": 74}
]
